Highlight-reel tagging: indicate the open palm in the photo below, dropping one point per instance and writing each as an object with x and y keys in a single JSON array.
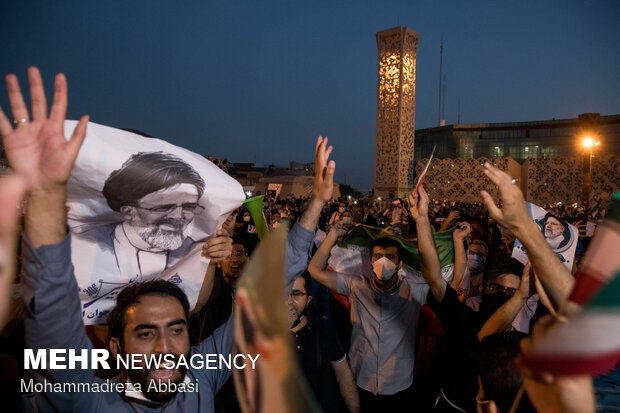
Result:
[
  {"x": 324, "y": 171},
  {"x": 37, "y": 149}
]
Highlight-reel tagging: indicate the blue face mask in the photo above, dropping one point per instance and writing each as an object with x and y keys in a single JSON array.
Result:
[{"x": 474, "y": 263}]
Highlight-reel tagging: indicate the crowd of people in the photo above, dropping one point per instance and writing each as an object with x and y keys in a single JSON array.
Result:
[{"x": 368, "y": 343}]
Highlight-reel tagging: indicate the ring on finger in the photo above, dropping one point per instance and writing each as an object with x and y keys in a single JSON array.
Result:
[
  {"x": 513, "y": 181},
  {"x": 20, "y": 121}
]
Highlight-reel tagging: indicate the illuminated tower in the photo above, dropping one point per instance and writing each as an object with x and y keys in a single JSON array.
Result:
[{"x": 394, "y": 167}]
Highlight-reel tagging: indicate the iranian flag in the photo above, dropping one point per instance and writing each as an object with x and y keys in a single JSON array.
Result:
[
  {"x": 589, "y": 342},
  {"x": 351, "y": 255}
]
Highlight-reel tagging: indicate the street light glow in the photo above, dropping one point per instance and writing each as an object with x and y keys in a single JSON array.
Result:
[{"x": 587, "y": 142}]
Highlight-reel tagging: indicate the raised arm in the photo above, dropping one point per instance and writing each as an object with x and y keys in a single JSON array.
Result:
[
  {"x": 37, "y": 150},
  {"x": 319, "y": 261},
  {"x": 300, "y": 238},
  {"x": 460, "y": 256},
  {"x": 554, "y": 276},
  {"x": 431, "y": 268},
  {"x": 322, "y": 187},
  {"x": 452, "y": 217},
  {"x": 502, "y": 319}
]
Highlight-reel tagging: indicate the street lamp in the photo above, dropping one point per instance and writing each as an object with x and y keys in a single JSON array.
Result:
[{"x": 589, "y": 143}]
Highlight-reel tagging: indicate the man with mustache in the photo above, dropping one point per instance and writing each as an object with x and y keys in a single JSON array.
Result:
[
  {"x": 157, "y": 195},
  {"x": 150, "y": 318},
  {"x": 554, "y": 231}
]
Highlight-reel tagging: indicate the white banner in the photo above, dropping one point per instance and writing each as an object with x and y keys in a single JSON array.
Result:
[{"x": 139, "y": 209}]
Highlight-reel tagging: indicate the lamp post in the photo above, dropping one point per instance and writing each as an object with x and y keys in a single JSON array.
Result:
[{"x": 589, "y": 143}]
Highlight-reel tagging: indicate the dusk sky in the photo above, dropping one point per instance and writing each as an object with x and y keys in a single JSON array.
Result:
[{"x": 258, "y": 81}]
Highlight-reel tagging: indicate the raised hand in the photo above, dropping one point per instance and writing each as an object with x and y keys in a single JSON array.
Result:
[
  {"x": 418, "y": 203},
  {"x": 338, "y": 229},
  {"x": 219, "y": 247},
  {"x": 37, "y": 148},
  {"x": 525, "y": 289},
  {"x": 513, "y": 214},
  {"x": 323, "y": 185},
  {"x": 463, "y": 229},
  {"x": 453, "y": 216}
]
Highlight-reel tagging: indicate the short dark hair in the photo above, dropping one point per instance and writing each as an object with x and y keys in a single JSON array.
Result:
[
  {"x": 499, "y": 264},
  {"x": 307, "y": 281},
  {"x": 236, "y": 239},
  {"x": 499, "y": 375},
  {"x": 147, "y": 172},
  {"x": 386, "y": 242},
  {"x": 131, "y": 295}
]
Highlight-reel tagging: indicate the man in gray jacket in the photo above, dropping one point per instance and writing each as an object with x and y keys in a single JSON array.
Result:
[
  {"x": 153, "y": 319},
  {"x": 150, "y": 319}
]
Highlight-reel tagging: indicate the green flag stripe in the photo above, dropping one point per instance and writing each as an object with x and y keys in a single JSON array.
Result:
[
  {"x": 609, "y": 296},
  {"x": 614, "y": 209},
  {"x": 363, "y": 236}
]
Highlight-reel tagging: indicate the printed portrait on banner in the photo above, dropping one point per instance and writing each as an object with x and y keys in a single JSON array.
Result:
[
  {"x": 561, "y": 236},
  {"x": 140, "y": 208}
]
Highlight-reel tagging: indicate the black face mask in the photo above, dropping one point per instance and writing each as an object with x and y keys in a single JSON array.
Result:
[
  {"x": 491, "y": 302},
  {"x": 300, "y": 315}
]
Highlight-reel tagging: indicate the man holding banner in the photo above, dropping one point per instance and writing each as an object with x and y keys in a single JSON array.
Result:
[{"x": 154, "y": 323}]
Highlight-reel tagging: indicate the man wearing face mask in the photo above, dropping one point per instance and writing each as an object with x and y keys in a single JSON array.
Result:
[
  {"x": 385, "y": 309},
  {"x": 457, "y": 360},
  {"x": 476, "y": 256},
  {"x": 347, "y": 218}
]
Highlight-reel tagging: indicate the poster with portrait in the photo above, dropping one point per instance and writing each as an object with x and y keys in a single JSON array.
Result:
[
  {"x": 140, "y": 208},
  {"x": 561, "y": 236}
]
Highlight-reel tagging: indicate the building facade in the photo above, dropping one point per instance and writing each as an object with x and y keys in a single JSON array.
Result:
[
  {"x": 546, "y": 158},
  {"x": 519, "y": 140}
]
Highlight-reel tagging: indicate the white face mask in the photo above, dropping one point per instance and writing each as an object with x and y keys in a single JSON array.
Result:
[
  {"x": 475, "y": 263},
  {"x": 384, "y": 269}
]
